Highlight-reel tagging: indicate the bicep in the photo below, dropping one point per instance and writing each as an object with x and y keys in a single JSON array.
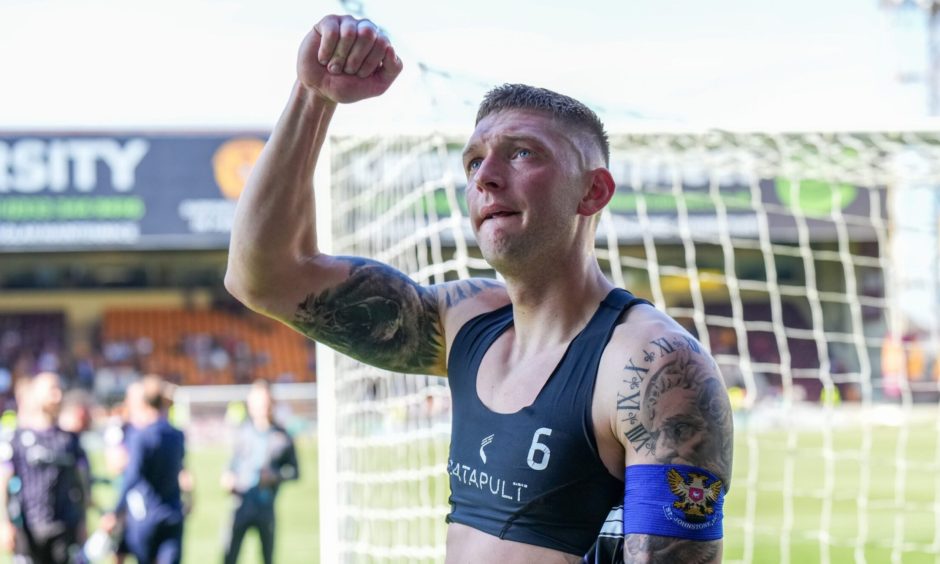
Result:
[
  {"x": 674, "y": 421},
  {"x": 375, "y": 314},
  {"x": 673, "y": 407}
]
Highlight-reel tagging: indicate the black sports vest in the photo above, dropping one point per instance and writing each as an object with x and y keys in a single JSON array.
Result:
[{"x": 533, "y": 476}]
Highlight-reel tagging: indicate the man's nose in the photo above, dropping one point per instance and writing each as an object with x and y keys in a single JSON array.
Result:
[{"x": 489, "y": 175}]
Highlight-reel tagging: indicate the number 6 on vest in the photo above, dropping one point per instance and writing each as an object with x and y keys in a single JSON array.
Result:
[{"x": 539, "y": 447}]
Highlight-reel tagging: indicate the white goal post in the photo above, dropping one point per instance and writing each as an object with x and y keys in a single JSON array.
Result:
[{"x": 807, "y": 263}]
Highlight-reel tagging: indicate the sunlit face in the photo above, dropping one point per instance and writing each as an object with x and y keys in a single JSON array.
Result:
[
  {"x": 524, "y": 182},
  {"x": 47, "y": 392},
  {"x": 259, "y": 403},
  {"x": 133, "y": 400}
]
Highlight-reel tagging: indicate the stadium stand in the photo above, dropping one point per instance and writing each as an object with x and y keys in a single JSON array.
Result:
[{"x": 202, "y": 347}]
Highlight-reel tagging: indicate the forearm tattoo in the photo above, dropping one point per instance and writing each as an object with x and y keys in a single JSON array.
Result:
[
  {"x": 378, "y": 316},
  {"x": 673, "y": 407},
  {"x": 651, "y": 549}
]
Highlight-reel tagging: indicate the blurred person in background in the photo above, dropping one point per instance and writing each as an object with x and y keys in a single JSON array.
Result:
[
  {"x": 263, "y": 458},
  {"x": 45, "y": 471},
  {"x": 76, "y": 413},
  {"x": 118, "y": 431},
  {"x": 117, "y": 436},
  {"x": 150, "y": 498},
  {"x": 187, "y": 480}
]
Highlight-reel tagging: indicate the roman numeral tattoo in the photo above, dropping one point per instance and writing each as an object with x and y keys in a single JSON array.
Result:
[
  {"x": 694, "y": 346},
  {"x": 636, "y": 369},
  {"x": 631, "y": 402},
  {"x": 640, "y": 438},
  {"x": 673, "y": 408},
  {"x": 665, "y": 347}
]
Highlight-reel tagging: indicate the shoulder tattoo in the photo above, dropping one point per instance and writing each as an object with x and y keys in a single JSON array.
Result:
[
  {"x": 672, "y": 406},
  {"x": 456, "y": 292}
]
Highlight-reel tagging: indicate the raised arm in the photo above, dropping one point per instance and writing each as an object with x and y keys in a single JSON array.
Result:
[
  {"x": 360, "y": 307},
  {"x": 674, "y": 421}
]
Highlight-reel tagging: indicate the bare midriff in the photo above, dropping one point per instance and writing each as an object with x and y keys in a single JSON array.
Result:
[{"x": 466, "y": 545}]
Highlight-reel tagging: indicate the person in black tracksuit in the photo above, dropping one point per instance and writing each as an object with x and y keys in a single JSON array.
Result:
[{"x": 44, "y": 480}]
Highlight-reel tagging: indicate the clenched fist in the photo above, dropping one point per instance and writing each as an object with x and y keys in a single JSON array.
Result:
[{"x": 346, "y": 60}]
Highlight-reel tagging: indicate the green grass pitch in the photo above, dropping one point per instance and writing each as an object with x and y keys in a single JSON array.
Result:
[
  {"x": 298, "y": 540},
  {"x": 898, "y": 510}
]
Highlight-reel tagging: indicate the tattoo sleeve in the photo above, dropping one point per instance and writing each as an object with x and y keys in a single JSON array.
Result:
[
  {"x": 652, "y": 549},
  {"x": 378, "y": 316},
  {"x": 673, "y": 408}
]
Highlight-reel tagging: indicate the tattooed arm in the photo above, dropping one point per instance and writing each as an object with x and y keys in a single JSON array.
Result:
[
  {"x": 274, "y": 238},
  {"x": 673, "y": 409},
  {"x": 381, "y": 317},
  {"x": 360, "y": 307}
]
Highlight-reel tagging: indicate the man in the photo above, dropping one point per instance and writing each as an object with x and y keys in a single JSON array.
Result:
[
  {"x": 150, "y": 499},
  {"x": 263, "y": 458},
  {"x": 75, "y": 414},
  {"x": 45, "y": 470},
  {"x": 117, "y": 433},
  {"x": 557, "y": 377}
]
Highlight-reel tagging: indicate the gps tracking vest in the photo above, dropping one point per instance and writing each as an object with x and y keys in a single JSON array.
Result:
[{"x": 533, "y": 476}]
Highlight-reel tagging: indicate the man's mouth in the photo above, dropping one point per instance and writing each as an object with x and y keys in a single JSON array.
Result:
[{"x": 499, "y": 214}]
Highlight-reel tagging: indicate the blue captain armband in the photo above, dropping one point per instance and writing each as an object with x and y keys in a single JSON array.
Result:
[{"x": 673, "y": 501}]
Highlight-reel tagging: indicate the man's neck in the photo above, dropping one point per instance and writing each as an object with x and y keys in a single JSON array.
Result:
[
  {"x": 147, "y": 419},
  {"x": 551, "y": 310},
  {"x": 261, "y": 424},
  {"x": 41, "y": 421}
]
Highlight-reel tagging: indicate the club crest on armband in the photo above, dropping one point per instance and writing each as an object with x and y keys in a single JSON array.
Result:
[{"x": 695, "y": 497}]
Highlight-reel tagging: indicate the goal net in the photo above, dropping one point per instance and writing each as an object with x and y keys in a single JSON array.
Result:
[{"x": 807, "y": 263}]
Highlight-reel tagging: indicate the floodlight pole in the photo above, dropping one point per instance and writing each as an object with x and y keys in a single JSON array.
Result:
[
  {"x": 926, "y": 74},
  {"x": 933, "y": 58}
]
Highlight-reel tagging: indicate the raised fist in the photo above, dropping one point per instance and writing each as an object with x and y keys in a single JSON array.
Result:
[{"x": 345, "y": 60}]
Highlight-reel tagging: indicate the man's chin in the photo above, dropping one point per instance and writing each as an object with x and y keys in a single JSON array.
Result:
[
  {"x": 502, "y": 258},
  {"x": 494, "y": 256}
]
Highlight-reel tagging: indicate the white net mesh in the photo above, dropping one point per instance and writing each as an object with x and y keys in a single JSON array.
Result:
[{"x": 807, "y": 263}]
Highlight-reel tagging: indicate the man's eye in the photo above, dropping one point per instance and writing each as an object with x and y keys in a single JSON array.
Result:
[
  {"x": 473, "y": 164},
  {"x": 522, "y": 153}
]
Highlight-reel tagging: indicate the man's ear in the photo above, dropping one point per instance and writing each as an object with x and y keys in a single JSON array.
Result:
[{"x": 599, "y": 193}]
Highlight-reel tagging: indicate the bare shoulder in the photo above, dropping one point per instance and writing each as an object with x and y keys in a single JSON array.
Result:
[
  {"x": 482, "y": 292},
  {"x": 667, "y": 401}
]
